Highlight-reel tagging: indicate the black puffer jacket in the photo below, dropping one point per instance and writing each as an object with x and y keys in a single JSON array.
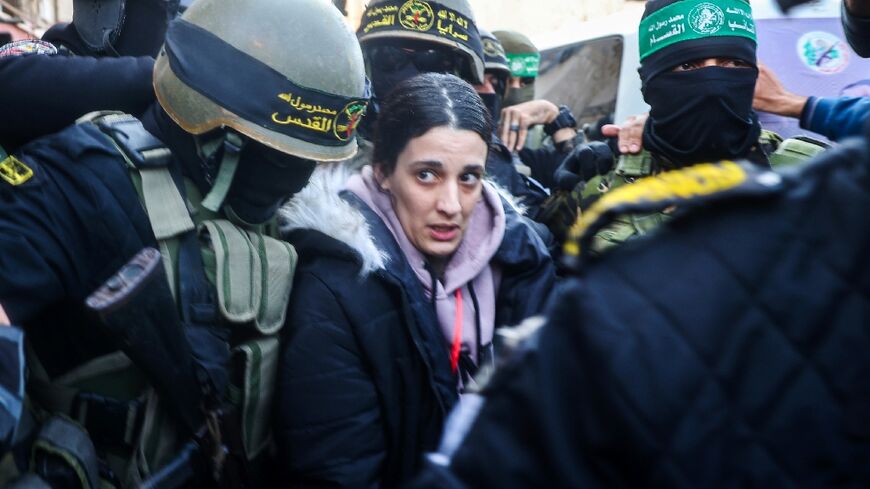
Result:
[
  {"x": 731, "y": 349},
  {"x": 365, "y": 382}
]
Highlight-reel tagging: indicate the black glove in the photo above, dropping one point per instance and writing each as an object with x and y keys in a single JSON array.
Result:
[
  {"x": 786, "y": 5},
  {"x": 584, "y": 163}
]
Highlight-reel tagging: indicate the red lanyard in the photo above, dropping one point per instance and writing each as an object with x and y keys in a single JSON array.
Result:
[{"x": 457, "y": 333}]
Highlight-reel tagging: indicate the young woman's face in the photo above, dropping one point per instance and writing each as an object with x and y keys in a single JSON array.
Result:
[{"x": 435, "y": 186}]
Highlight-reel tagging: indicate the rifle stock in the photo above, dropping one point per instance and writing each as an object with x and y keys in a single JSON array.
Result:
[{"x": 138, "y": 311}]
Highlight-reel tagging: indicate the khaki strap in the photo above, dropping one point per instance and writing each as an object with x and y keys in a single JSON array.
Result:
[
  {"x": 163, "y": 203},
  {"x": 232, "y": 145}
]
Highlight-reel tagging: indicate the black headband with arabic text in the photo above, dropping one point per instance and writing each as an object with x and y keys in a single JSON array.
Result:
[{"x": 421, "y": 17}]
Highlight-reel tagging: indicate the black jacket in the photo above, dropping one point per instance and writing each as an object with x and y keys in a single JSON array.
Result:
[
  {"x": 365, "y": 382},
  {"x": 529, "y": 192},
  {"x": 63, "y": 232},
  {"x": 728, "y": 350}
]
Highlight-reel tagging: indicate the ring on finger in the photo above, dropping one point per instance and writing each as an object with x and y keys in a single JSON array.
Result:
[{"x": 514, "y": 127}]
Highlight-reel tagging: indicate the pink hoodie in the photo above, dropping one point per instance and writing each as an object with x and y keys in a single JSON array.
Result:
[{"x": 470, "y": 262}]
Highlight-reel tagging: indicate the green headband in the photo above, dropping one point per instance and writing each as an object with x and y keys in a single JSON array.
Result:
[
  {"x": 695, "y": 19},
  {"x": 524, "y": 64}
]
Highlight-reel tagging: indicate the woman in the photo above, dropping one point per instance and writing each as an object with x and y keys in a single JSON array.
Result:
[{"x": 374, "y": 359}]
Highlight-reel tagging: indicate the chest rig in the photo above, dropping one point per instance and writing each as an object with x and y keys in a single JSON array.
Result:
[
  {"x": 230, "y": 285},
  {"x": 780, "y": 153}
]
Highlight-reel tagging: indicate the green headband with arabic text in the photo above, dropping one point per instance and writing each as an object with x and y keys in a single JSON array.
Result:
[
  {"x": 695, "y": 19},
  {"x": 524, "y": 64}
]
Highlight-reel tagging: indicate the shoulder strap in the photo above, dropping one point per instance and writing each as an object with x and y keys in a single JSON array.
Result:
[
  {"x": 148, "y": 156},
  {"x": 687, "y": 188},
  {"x": 148, "y": 159}
]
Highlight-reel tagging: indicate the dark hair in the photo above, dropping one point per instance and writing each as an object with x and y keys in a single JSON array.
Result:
[{"x": 425, "y": 102}]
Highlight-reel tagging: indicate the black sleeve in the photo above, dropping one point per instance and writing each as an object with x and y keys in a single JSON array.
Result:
[
  {"x": 32, "y": 256},
  {"x": 543, "y": 162},
  {"x": 68, "y": 227},
  {"x": 41, "y": 95},
  {"x": 857, "y": 32},
  {"x": 328, "y": 420},
  {"x": 11, "y": 383},
  {"x": 528, "y": 273}
]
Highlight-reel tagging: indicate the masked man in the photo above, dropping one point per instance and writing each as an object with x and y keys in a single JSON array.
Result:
[
  {"x": 199, "y": 177},
  {"x": 698, "y": 71}
]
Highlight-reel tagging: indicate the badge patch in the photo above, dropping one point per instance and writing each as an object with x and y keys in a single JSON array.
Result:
[
  {"x": 823, "y": 52},
  {"x": 492, "y": 48},
  {"x": 416, "y": 15},
  {"x": 14, "y": 171},
  {"x": 348, "y": 119},
  {"x": 27, "y": 46},
  {"x": 706, "y": 18}
]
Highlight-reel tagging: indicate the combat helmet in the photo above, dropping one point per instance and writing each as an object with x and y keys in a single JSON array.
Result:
[
  {"x": 494, "y": 56},
  {"x": 447, "y": 22},
  {"x": 287, "y": 74}
]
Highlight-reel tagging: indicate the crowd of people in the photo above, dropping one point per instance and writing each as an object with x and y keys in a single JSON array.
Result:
[{"x": 242, "y": 246}]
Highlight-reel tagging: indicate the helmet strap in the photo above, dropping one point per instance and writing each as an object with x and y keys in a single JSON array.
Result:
[{"x": 232, "y": 146}]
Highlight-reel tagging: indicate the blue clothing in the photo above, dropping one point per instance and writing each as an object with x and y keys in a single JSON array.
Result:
[
  {"x": 11, "y": 383},
  {"x": 835, "y": 118}
]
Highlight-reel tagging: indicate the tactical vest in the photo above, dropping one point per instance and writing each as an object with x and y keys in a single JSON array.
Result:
[
  {"x": 684, "y": 188},
  {"x": 251, "y": 274},
  {"x": 631, "y": 168}
]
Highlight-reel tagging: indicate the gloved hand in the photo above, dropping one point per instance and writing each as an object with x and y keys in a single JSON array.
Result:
[{"x": 583, "y": 163}]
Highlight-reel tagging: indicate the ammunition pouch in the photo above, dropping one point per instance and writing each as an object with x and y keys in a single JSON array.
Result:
[
  {"x": 64, "y": 455},
  {"x": 111, "y": 418},
  {"x": 253, "y": 275}
]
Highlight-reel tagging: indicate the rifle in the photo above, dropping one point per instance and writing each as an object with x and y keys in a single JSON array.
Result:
[{"x": 138, "y": 311}]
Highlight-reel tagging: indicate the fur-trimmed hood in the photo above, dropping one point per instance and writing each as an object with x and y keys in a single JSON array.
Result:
[{"x": 319, "y": 207}]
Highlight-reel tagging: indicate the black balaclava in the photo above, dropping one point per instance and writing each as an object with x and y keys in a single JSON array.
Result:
[
  {"x": 264, "y": 179},
  {"x": 145, "y": 27},
  {"x": 524, "y": 60},
  {"x": 139, "y": 31},
  {"x": 383, "y": 82},
  {"x": 703, "y": 114},
  {"x": 492, "y": 101}
]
